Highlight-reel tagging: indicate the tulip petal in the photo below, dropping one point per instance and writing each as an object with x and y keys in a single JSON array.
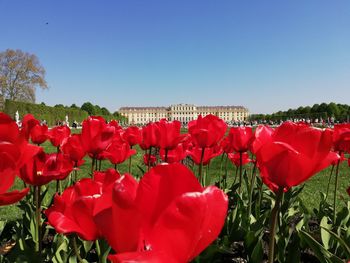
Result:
[
  {"x": 142, "y": 257},
  {"x": 12, "y": 197},
  {"x": 161, "y": 185},
  {"x": 214, "y": 218}
]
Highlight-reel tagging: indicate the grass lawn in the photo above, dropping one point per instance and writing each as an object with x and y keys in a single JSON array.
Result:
[{"x": 310, "y": 194}]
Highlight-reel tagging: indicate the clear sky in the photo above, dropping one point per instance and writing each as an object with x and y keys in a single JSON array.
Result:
[{"x": 266, "y": 55}]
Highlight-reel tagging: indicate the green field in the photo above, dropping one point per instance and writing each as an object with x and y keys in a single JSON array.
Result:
[{"x": 310, "y": 194}]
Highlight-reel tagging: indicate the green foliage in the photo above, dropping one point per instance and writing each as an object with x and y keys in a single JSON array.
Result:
[
  {"x": 42, "y": 112},
  {"x": 340, "y": 112}
]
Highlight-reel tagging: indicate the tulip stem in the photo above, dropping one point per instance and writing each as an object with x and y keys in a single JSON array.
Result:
[
  {"x": 201, "y": 167},
  {"x": 38, "y": 246},
  {"x": 329, "y": 182},
  {"x": 149, "y": 158},
  {"x": 76, "y": 250},
  {"x": 98, "y": 250},
  {"x": 335, "y": 191},
  {"x": 221, "y": 182},
  {"x": 273, "y": 224},
  {"x": 257, "y": 209},
  {"x": 58, "y": 186},
  {"x": 75, "y": 172},
  {"x": 130, "y": 160},
  {"x": 252, "y": 182},
  {"x": 92, "y": 166},
  {"x": 166, "y": 155},
  {"x": 240, "y": 171},
  {"x": 223, "y": 185}
]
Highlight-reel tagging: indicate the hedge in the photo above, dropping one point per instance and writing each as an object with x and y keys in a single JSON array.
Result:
[{"x": 52, "y": 115}]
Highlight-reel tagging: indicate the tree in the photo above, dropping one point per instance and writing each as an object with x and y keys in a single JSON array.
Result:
[
  {"x": 74, "y": 106},
  {"x": 20, "y": 74},
  {"x": 89, "y": 108},
  {"x": 105, "y": 111}
]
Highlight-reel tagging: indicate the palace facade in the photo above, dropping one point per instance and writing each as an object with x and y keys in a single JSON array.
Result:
[{"x": 183, "y": 113}]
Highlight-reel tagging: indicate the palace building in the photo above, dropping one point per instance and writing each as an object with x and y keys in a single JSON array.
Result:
[{"x": 183, "y": 113}]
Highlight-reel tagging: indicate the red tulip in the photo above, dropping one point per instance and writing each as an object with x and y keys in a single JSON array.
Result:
[
  {"x": 292, "y": 154},
  {"x": 149, "y": 159},
  {"x": 348, "y": 190},
  {"x": 235, "y": 158},
  {"x": 72, "y": 211},
  {"x": 14, "y": 153},
  {"x": 263, "y": 134},
  {"x": 28, "y": 122},
  {"x": 72, "y": 147},
  {"x": 209, "y": 153},
  {"x": 226, "y": 145},
  {"x": 96, "y": 135},
  {"x": 7, "y": 178},
  {"x": 240, "y": 138},
  {"x": 150, "y": 135},
  {"x": 43, "y": 168},
  {"x": 175, "y": 155},
  {"x": 168, "y": 215},
  {"x": 58, "y": 134},
  {"x": 207, "y": 131},
  {"x": 132, "y": 135},
  {"x": 341, "y": 137},
  {"x": 39, "y": 133},
  {"x": 341, "y": 158},
  {"x": 115, "y": 124},
  {"x": 118, "y": 151},
  {"x": 169, "y": 134}
]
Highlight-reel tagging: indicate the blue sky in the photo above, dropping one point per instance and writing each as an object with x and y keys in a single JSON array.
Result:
[{"x": 266, "y": 55}]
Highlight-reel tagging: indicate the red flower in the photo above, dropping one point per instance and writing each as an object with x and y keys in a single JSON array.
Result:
[
  {"x": 58, "y": 134},
  {"x": 39, "y": 133},
  {"x": 96, "y": 135},
  {"x": 240, "y": 138},
  {"x": 72, "y": 211},
  {"x": 14, "y": 153},
  {"x": 348, "y": 190},
  {"x": 167, "y": 216},
  {"x": 176, "y": 155},
  {"x": 235, "y": 158},
  {"x": 292, "y": 154},
  {"x": 341, "y": 158},
  {"x": 118, "y": 151},
  {"x": 209, "y": 153},
  {"x": 132, "y": 135},
  {"x": 150, "y": 135},
  {"x": 341, "y": 137},
  {"x": 149, "y": 159},
  {"x": 28, "y": 122},
  {"x": 169, "y": 134},
  {"x": 43, "y": 168},
  {"x": 207, "y": 131},
  {"x": 72, "y": 147},
  {"x": 263, "y": 134},
  {"x": 226, "y": 145},
  {"x": 115, "y": 124},
  {"x": 7, "y": 178}
]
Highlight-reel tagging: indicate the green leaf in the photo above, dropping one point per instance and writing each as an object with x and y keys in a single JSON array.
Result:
[
  {"x": 339, "y": 239},
  {"x": 87, "y": 246},
  {"x": 325, "y": 235},
  {"x": 323, "y": 255},
  {"x": 258, "y": 252},
  {"x": 2, "y": 226}
]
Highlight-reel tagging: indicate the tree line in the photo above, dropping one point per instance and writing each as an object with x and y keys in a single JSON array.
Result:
[
  {"x": 340, "y": 112},
  {"x": 95, "y": 110}
]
